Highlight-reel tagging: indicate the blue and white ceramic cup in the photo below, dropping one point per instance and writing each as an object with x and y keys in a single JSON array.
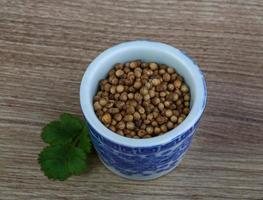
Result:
[{"x": 142, "y": 159}]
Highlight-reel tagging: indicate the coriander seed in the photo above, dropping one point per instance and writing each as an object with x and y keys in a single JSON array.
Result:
[
  {"x": 163, "y": 128},
  {"x": 117, "y": 117},
  {"x": 148, "y": 85},
  {"x": 161, "y": 106},
  {"x": 138, "y": 123},
  {"x": 119, "y": 73},
  {"x": 186, "y": 97},
  {"x": 124, "y": 96},
  {"x": 144, "y": 91},
  {"x": 178, "y": 102},
  {"x": 120, "y": 132},
  {"x": 143, "y": 116},
  {"x": 157, "y": 130},
  {"x": 170, "y": 87},
  {"x": 146, "y": 121},
  {"x": 106, "y": 118},
  {"x": 152, "y": 93},
  {"x": 161, "y": 71},
  {"x": 150, "y": 117},
  {"x": 156, "y": 81},
  {"x": 141, "y": 133},
  {"x": 184, "y": 88},
  {"x": 173, "y": 119},
  {"x": 170, "y": 70},
  {"x": 176, "y": 113},
  {"x": 113, "y": 122},
  {"x": 168, "y": 113},
  {"x": 114, "y": 81},
  {"x": 156, "y": 101},
  {"x": 116, "y": 96},
  {"x": 110, "y": 103},
  {"x": 120, "y": 88},
  {"x": 131, "y": 95},
  {"x": 146, "y": 97},
  {"x": 128, "y": 118},
  {"x": 186, "y": 111},
  {"x": 162, "y": 94},
  {"x": 138, "y": 72},
  {"x": 154, "y": 123},
  {"x": 120, "y": 125},
  {"x": 130, "y": 109},
  {"x": 167, "y": 104},
  {"x": 133, "y": 65},
  {"x": 113, "y": 110},
  {"x": 166, "y": 77},
  {"x": 155, "y": 114},
  {"x": 112, "y": 128},
  {"x": 132, "y": 133},
  {"x": 177, "y": 83},
  {"x": 173, "y": 77},
  {"x": 143, "y": 126},
  {"x": 153, "y": 66},
  {"x": 97, "y": 106},
  {"x": 141, "y": 110},
  {"x": 119, "y": 66},
  {"x": 136, "y": 115},
  {"x": 170, "y": 125},
  {"x": 130, "y": 125},
  {"x": 144, "y": 65},
  {"x": 113, "y": 89},
  {"x": 99, "y": 113},
  {"x": 161, "y": 120},
  {"x": 149, "y": 129},
  {"x": 180, "y": 119},
  {"x": 137, "y": 96},
  {"x": 126, "y": 69}
]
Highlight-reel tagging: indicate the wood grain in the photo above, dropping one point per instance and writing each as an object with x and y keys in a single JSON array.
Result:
[{"x": 45, "y": 47}]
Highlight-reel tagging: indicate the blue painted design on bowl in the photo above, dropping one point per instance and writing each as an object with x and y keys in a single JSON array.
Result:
[{"x": 143, "y": 162}]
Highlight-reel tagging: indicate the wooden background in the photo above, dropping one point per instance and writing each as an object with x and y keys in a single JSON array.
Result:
[{"x": 45, "y": 46}]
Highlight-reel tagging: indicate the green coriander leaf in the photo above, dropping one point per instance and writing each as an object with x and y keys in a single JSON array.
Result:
[
  {"x": 63, "y": 131},
  {"x": 52, "y": 162},
  {"x": 53, "y": 133},
  {"x": 84, "y": 141},
  {"x": 77, "y": 161},
  {"x": 71, "y": 123},
  {"x": 69, "y": 145},
  {"x": 61, "y": 161}
]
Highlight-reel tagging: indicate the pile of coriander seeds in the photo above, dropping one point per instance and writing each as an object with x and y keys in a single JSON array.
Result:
[{"x": 142, "y": 100}]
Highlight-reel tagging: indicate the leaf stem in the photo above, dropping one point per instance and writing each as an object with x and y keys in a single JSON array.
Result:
[{"x": 76, "y": 140}]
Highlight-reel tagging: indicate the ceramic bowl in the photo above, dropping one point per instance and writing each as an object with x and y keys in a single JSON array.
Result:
[{"x": 142, "y": 159}]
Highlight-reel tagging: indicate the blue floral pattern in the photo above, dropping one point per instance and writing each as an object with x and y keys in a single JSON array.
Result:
[{"x": 141, "y": 162}]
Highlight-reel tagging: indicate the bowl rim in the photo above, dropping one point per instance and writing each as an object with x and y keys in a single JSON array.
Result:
[{"x": 193, "y": 117}]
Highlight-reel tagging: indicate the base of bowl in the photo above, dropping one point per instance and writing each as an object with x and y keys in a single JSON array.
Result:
[{"x": 143, "y": 178}]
